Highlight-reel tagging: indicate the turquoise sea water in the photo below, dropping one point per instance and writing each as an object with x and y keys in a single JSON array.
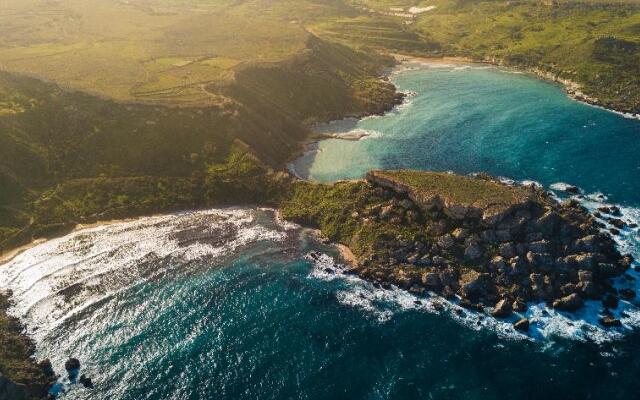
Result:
[
  {"x": 230, "y": 304},
  {"x": 471, "y": 118}
]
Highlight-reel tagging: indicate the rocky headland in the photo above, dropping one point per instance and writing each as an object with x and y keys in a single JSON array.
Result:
[
  {"x": 21, "y": 378},
  {"x": 494, "y": 247}
]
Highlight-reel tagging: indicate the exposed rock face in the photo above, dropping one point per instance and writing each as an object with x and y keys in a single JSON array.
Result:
[
  {"x": 10, "y": 390},
  {"x": 571, "y": 302},
  {"x": 527, "y": 248}
]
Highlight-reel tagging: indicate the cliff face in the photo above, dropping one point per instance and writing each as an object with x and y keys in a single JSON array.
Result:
[
  {"x": 476, "y": 239},
  {"x": 20, "y": 377}
]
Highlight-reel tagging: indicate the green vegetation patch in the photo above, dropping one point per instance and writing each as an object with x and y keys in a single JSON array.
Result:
[
  {"x": 15, "y": 352},
  {"x": 458, "y": 189}
]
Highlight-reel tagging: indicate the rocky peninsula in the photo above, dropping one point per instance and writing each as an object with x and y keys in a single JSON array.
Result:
[{"x": 494, "y": 247}]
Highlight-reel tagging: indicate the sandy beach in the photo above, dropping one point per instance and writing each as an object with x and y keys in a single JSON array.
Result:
[{"x": 13, "y": 253}]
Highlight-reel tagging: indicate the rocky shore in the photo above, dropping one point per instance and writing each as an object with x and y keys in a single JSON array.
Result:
[
  {"x": 573, "y": 89},
  {"x": 496, "y": 248},
  {"x": 21, "y": 378}
]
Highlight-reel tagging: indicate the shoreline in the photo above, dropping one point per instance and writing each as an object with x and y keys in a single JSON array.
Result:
[
  {"x": 347, "y": 255},
  {"x": 571, "y": 88},
  {"x": 10, "y": 255}
]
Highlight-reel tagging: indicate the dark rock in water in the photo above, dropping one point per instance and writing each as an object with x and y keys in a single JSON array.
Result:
[
  {"x": 47, "y": 368},
  {"x": 618, "y": 223},
  {"x": 522, "y": 325},
  {"x": 627, "y": 294},
  {"x": 572, "y": 189},
  {"x": 72, "y": 364},
  {"x": 86, "y": 382},
  {"x": 571, "y": 302},
  {"x": 610, "y": 301},
  {"x": 519, "y": 306},
  {"x": 609, "y": 321},
  {"x": 613, "y": 210},
  {"x": 614, "y": 231},
  {"x": 465, "y": 303},
  {"x": 502, "y": 309}
]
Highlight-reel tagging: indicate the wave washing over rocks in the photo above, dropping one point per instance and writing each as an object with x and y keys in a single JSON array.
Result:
[
  {"x": 383, "y": 295},
  {"x": 546, "y": 324}
]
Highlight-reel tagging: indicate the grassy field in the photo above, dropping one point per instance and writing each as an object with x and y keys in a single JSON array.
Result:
[
  {"x": 151, "y": 51},
  {"x": 172, "y": 51},
  {"x": 595, "y": 43}
]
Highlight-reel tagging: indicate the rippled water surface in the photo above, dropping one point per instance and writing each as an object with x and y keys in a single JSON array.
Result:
[
  {"x": 470, "y": 118},
  {"x": 230, "y": 304}
]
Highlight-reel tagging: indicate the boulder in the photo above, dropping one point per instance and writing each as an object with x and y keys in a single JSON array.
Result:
[
  {"x": 86, "y": 382},
  {"x": 445, "y": 241},
  {"x": 406, "y": 204},
  {"x": 548, "y": 223},
  {"x": 72, "y": 364},
  {"x": 571, "y": 302},
  {"x": 610, "y": 301},
  {"x": 618, "y": 223},
  {"x": 477, "y": 286},
  {"x": 503, "y": 235},
  {"x": 448, "y": 278},
  {"x": 425, "y": 261},
  {"x": 473, "y": 251},
  {"x": 627, "y": 294},
  {"x": 540, "y": 260},
  {"x": 587, "y": 244},
  {"x": 386, "y": 212},
  {"x": 413, "y": 259},
  {"x": 460, "y": 234},
  {"x": 518, "y": 266},
  {"x": 609, "y": 321},
  {"x": 588, "y": 290},
  {"x": 439, "y": 261},
  {"x": 522, "y": 325},
  {"x": 47, "y": 368},
  {"x": 431, "y": 281},
  {"x": 507, "y": 250},
  {"x": 502, "y": 309},
  {"x": 608, "y": 269},
  {"x": 519, "y": 306},
  {"x": 541, "y": 246},
  {"x": 585, "y": 276}
]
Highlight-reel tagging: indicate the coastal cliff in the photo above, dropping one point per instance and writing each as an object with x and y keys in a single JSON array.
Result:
[
  {"x": 20, "y": 377},
  {"x": 495, "y": 247}
]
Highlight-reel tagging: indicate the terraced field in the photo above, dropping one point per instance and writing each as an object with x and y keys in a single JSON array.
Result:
[{"x": 140, "y": 52}]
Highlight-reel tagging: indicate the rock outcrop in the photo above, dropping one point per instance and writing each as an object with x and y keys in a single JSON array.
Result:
[{"x": 490, "y": 244}]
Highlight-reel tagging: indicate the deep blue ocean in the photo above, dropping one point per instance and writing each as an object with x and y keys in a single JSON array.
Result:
[{"x": 227, "y": 304}]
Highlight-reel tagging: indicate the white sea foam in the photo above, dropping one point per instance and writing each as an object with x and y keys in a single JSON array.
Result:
[
  {"x": 564, "y": 187},
  {"x": 58, "y": 279},
  {"x": 546, "y": 324}
]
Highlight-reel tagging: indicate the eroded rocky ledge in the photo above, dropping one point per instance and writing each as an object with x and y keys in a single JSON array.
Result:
[{"x": 491, "y": 245}]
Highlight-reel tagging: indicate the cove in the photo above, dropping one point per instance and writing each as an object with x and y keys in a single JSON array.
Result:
[
  {"x": 472, "y": 117},
  {"x": 228, "y": 304}
]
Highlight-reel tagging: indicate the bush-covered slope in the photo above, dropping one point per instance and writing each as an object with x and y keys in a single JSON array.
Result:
[{"x": 67, "y": 156}]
